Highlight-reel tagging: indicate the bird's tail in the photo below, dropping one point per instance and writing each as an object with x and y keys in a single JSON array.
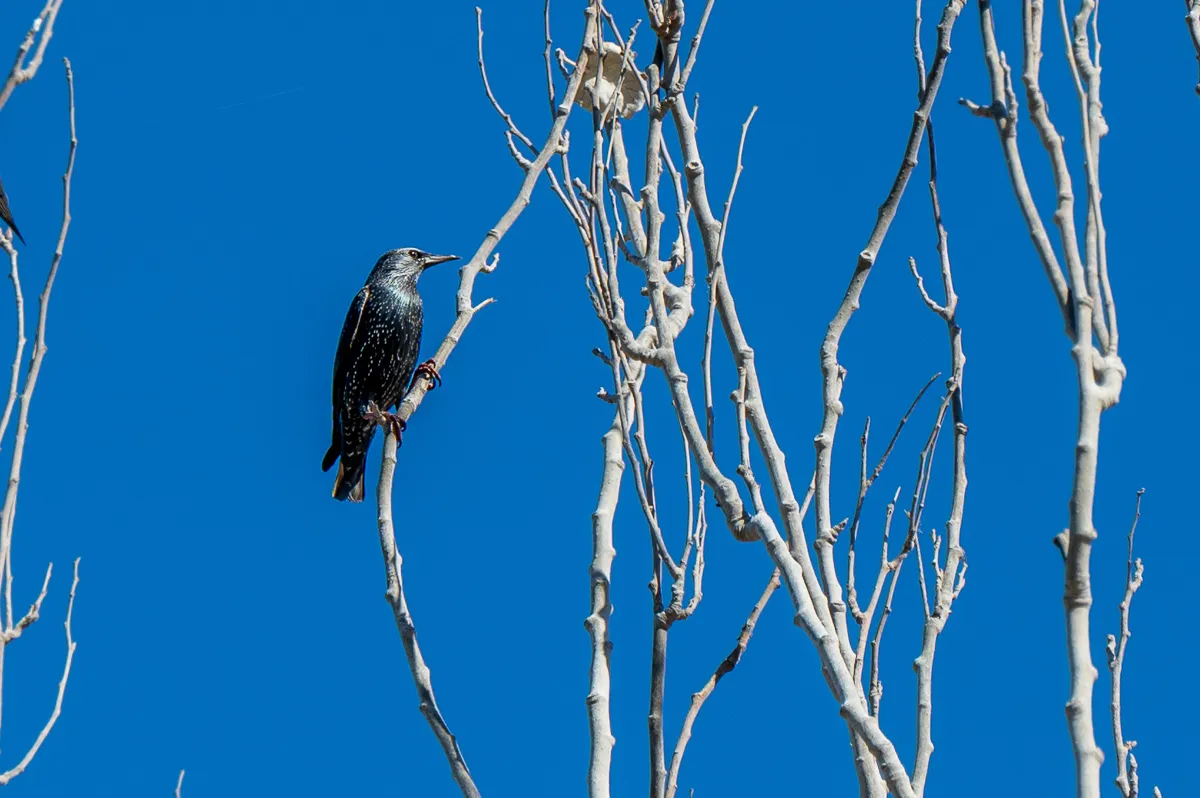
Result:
[
  {"x": 349, "y": 481},
  {"x": 331, "y": 455}
]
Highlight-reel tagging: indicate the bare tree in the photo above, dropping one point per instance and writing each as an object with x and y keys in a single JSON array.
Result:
[
  {"x": 617, "y": 222},
  {"x": 661, "y": 225},
  {"x": 20, "y": 392}
]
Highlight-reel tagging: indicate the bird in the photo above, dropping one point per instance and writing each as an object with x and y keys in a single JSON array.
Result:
[
  {"x": 6, "y": 214},
  {"x": 376, "y": 361}
]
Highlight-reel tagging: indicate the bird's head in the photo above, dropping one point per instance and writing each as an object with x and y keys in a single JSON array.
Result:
[{"x": 408, "y": 263}]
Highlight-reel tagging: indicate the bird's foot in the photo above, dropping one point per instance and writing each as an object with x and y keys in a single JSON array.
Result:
[
  {"x": 430, "y": 372},
  {"x": 392, "y": 421}
]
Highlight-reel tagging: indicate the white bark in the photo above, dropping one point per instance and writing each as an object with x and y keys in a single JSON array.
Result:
[
  {"x": 10, "y": 627},
  {"x": 20, "y": 767},
  {"x": 1127, "y": 780},
  {"x": 36, "y": 39},
  {"x": 599, "y": 673},
  {"x": 422, "y": 678},
  {"x": 1090, "y": 312}
]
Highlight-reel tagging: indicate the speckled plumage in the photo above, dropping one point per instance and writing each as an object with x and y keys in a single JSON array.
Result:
[{"x": 376, "y": 356}]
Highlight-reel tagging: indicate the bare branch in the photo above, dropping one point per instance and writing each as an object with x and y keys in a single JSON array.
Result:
[
  {"x": 603, "y": 552},
  {"x": 35, "y": 610},
  {"x": 422, "y": 677},
  {"x": 1096, "y": 268},
  {"x": 1126, "y": 764},
  {"x": 864, "y": 485},
  {"x": 951, "y": 578},
  {"x": 737, "y": 174},
  {"x": 812, "y": 605},
  {"x": 513, "y": 130},
  {"x": 727, "y": 665},
  {"x": 875, "y": 692},
  {"x": 928, "y": 300},
  {"x": 1090, "y": 312},
  {"x": 695, "y": 49},
  {"x": 832, "y": 371},
  {"x": 8, "y": 512},
  {"x": 17, "y": 770},
  {"x": 465, "y": 307},
  {"x": 14, "y": 275},
  {"x": 548, "y": 58},
  {"x": 1003, "y": 110},
  {"x": 179, "y": 785},
  {"x": 22, "y": 70}
]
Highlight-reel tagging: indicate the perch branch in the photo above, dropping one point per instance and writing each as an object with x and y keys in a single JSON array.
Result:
[
  {"x": 465, "y": 311},
  {"x": 422, "y": 678}
]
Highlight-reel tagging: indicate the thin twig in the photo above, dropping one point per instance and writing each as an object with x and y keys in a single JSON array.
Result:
[
  {"x": 886, "y": 567},
  {"x": 513, "y": 130},
  {"x": 1126, "y": 765},
  {"x": 706, "y": 365},
  {"x": 179, "y": 786},
  {"x": 695, "y": 48},
  {"x": 864, "y": 485},
  {"x": 737, "y": 174},
  {"x": 547, "y": 55},
  {"x": 727, "y": 665},
  {"x": 35, "y": 610},
  {"x": 875, "y": 693},
  {"x": 951, "y": 578}
]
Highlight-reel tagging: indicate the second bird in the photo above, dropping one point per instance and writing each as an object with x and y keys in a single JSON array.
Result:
[{"x": 375, "y": 362}]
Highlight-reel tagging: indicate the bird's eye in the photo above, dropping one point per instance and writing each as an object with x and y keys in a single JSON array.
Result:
[{"x": 414, "y": 253}]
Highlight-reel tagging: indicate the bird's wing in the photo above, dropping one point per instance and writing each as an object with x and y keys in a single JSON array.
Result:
[
  {"x": 351, "y": 337},
  {"x": 6, "y": 214}
]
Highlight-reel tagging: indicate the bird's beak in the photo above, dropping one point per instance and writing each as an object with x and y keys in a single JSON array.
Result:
[{"x": 434, "y": 260}]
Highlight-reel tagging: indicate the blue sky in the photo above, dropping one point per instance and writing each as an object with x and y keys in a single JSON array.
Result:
[{"x": 240, "y": 168}]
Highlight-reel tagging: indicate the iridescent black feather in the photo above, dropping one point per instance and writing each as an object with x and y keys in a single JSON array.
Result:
[
  {"x": 376, "y": 356},
  {"x": 6, "y": 214}
]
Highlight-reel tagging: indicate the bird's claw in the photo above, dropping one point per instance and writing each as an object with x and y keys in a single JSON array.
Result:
[
  {"x": 430, "y": 372},
  {"x": 392, "y": 421}
]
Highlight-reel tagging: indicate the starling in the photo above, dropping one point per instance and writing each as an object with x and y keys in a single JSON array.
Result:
[
  {"x": 375, "y": 361},
  {"x": 6, "y": 214}
]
